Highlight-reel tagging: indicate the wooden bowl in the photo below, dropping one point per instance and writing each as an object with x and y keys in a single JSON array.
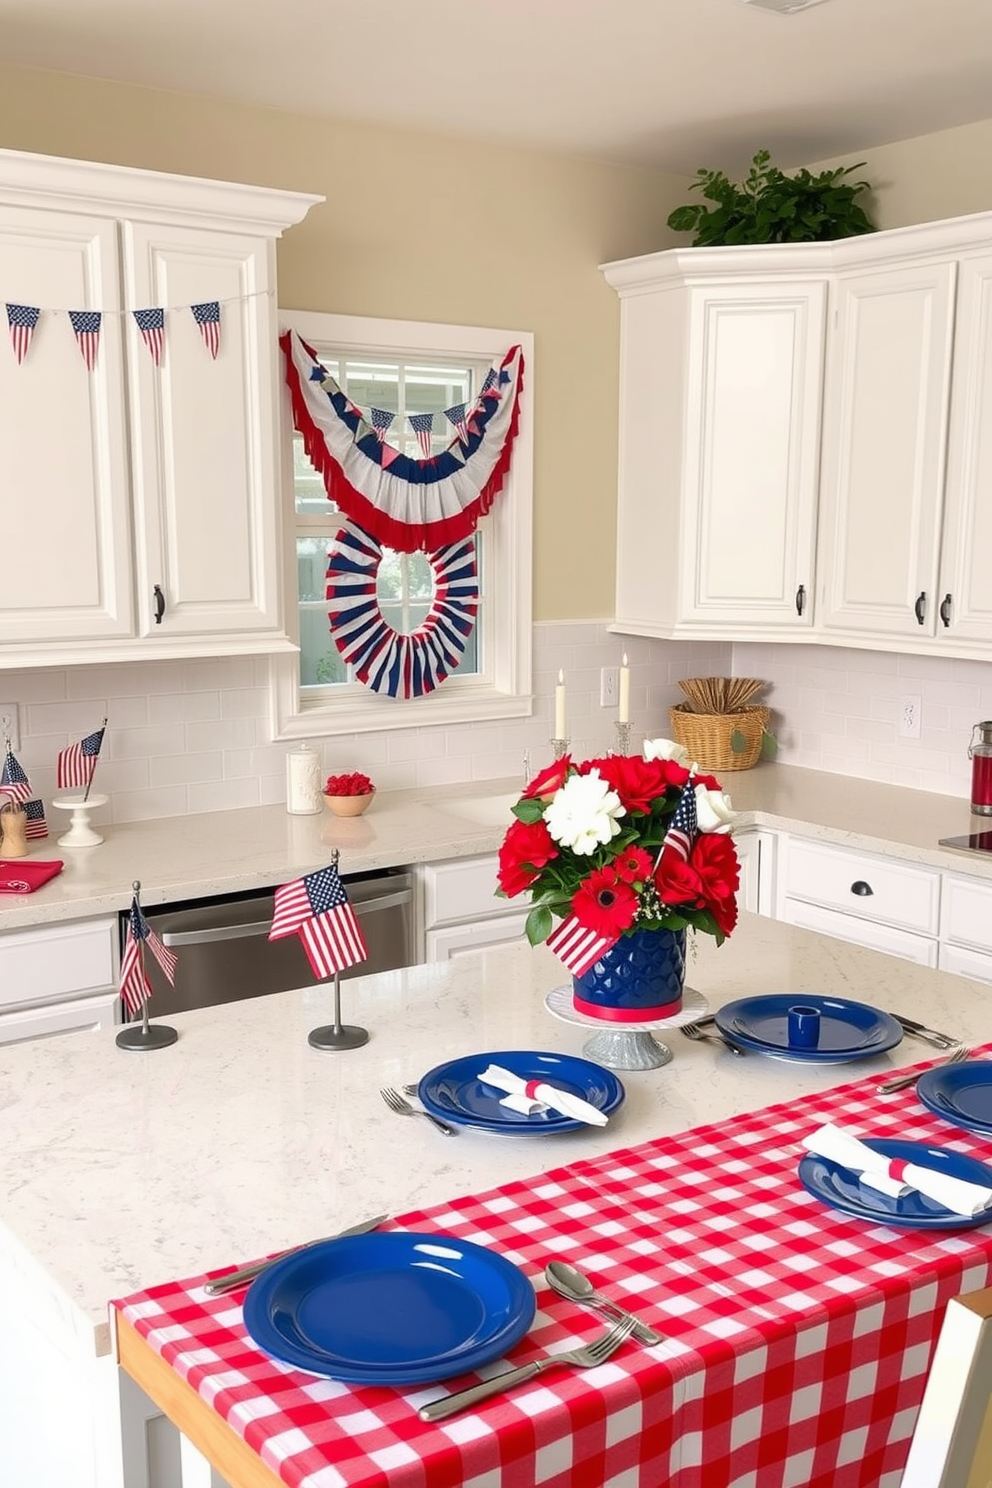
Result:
[{"x": 348, "y": 805}]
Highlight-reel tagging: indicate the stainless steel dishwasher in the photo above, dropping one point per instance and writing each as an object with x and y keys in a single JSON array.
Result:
[{"x": 225, "y": 954}]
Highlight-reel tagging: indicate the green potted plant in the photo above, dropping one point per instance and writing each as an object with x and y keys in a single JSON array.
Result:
[{"x": 769, "y": 206}]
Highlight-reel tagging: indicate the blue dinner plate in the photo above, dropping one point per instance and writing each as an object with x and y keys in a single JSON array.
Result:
[
  {"x": 390, "y": 1309},
  {"x": 848, "y": 1030},
  {"x": 960, "y": 1093},
  {"x": 455, "y": 1092},
  {"x": 839, "y": 1187}
]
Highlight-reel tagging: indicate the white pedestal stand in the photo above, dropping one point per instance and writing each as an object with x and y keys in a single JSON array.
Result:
[
  {"x": 626, "y": 1046},
  {"x": 80, "y": 833}
]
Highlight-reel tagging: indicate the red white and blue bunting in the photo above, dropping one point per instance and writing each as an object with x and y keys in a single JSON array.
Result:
[
  {"x": 406, "y": 504},
  {"x": 385, "y": 659},
  {"x": 23, "y": 320}
]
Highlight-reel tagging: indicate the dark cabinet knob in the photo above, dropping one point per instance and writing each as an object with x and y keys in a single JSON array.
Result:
[
  {"x": 920, "y": 606},
  {"x": 800, "y": 599},
  {"x": 159, "y": 604},
  {"x": 861, "y": 888},
  {"x": 945, "y": 609}
]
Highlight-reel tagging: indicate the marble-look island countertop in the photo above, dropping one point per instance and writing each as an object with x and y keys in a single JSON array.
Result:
[
  {"x": 120, "y": 1170},
  {"x": 224, "y": 852}
]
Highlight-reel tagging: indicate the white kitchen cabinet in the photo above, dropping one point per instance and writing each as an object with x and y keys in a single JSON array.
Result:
[
  {"x": 147, "y": 496},
  {"x": 966, "y": 926},
  {"x": 756, "y": 853},
  {"x": 461, "y": 910},
  {"x": 720, "y": 377},
  {"x": 58, "y": 979}
]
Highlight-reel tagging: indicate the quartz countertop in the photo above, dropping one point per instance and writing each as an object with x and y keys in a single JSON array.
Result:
[
  {"x": 223, "y": 852},
  {"x": 119, "y": 1170}
]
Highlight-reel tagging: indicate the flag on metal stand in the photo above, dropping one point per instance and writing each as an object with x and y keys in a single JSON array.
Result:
[
  {"x": 317, "y": 909},
  {"x": 135, "y": 987}
]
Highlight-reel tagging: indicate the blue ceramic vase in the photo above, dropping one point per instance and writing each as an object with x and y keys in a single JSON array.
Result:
[{"x": 636, "y": 980}]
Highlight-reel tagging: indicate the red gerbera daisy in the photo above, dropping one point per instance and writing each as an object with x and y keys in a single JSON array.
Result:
[
  {"x": 633, "y": 865},
  {"x": 604, "y": 903}
]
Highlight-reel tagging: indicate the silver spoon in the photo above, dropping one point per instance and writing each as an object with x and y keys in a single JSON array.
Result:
[{"x": 569, "y": 1282}]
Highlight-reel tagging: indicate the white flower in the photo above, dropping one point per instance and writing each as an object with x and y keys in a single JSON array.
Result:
[
  {"x": 582, "y": 815},
  {"x": 713, "y": 811},
  {"x": 666, "y": 749}
]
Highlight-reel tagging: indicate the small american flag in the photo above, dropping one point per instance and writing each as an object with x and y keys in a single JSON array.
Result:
[
  {"x": 86, "y": 324},
  {"x": 207, "y": 317},
  {"x": 456, "y": 415},
  {"x": 13, "y": 781},
  {"x": 77, "y": 763},
  {"x": 168, "y": 960},
  {"x": 36, "y": 825},
  {"x": 422, "y": 425},
  {"x": 22, "y": 320},
  {"x": 151, "y": 324},
  {"x": 381, "y": 419},
  {"x": 681, "y": 833},
  {"x": 135, "y": 986},
  {"x": 577, "y": 947},
  {"x": 316, "y": 908}
]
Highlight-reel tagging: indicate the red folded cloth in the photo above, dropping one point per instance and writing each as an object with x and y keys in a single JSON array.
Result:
[{"x": 23, "y": 877}]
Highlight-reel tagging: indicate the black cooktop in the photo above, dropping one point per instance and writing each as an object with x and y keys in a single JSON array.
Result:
[{"x": 980, "y": 842}]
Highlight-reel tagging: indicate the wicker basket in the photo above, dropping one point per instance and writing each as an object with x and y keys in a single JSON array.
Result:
[{"x": 708, "y": 736}]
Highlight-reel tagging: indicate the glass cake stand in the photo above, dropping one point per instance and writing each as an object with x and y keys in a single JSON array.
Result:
[{"x": 626, "y": 1046}]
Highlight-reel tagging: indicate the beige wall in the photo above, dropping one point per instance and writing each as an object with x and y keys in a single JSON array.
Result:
[
  {"x": 422, "y": 228},
  {"x": 925, "y": 179}
]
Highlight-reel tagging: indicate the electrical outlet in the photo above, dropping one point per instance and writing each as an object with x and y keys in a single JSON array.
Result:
[
  {"x": 609, "y": 687},
  {"x": 9, "y": 726},
  {"x": 910, "y": 711}
]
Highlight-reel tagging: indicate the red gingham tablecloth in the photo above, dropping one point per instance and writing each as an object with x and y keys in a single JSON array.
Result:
[{"x": 797, "y": 1340}]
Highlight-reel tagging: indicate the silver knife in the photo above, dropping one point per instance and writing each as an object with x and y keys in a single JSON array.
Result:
[
  {"x": 929, "y": 1035},
  {"x": 233, "y": 1279}
]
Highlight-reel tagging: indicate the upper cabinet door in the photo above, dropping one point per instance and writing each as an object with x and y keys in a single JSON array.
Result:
[
  {"x": 965, "y": 594},
  {"x": 203, "y": 451},
  {"x": 884, "y": 423},
  {"x": 65, "y": 542},
  {"x": 755, "y": 362}
]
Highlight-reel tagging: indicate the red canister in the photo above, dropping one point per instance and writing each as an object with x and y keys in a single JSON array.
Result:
[{"x": 980, "y": 755}]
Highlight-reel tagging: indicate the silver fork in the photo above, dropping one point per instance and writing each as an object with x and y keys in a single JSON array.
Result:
[
  {"x": 586, "y": 1357},
  {"x": 693, "y": 1031},
  {"x": 396, "y": 1103},
  {"x": 902, "y": 1081}
]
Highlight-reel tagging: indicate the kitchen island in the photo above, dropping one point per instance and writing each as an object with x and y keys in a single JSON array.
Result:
[{"x": 121, "y": 1171}]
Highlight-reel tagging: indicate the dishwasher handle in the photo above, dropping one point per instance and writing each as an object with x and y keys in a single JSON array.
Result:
[{"x": 262, "y": 927}]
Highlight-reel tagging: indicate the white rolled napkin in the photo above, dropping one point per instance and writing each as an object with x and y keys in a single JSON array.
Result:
[
  {"x": 529, "y": 1096},
  {"x": 893, "y": 1177}
]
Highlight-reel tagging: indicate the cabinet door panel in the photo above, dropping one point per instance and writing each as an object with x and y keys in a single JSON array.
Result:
[
  {"x": 966, "y": 572},
  {"x": 888, "y": 374},
  {"x": 203, "y": 451},
  {"x": 63, "y": 462},
  {"x": 752, "y": 450}
]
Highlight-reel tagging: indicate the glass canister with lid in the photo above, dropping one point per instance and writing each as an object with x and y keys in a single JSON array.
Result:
[{"x": 980, "y": 754}]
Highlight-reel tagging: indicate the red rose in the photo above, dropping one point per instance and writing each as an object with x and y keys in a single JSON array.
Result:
[
  {"x": 677, "y": 882},
  {"x": 636, "y": 781},
  {"x": 527, "y": 848},
  {"x": 633, "y": 865},
  {"x": 673, "y": 773},
  {"x": 549, "y": 780},
  {"x": 714, "y": 859},
  {"x": 604, "y": 903}
]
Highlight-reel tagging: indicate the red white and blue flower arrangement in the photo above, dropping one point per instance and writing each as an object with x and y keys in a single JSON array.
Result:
[{"x": 617, "y": 846}]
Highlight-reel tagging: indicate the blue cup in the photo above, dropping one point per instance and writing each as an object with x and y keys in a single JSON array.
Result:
[{"x": 804, "y": 1026}]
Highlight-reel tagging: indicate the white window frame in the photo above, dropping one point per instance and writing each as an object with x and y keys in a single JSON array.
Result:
[{"x": 508, "y": 626}]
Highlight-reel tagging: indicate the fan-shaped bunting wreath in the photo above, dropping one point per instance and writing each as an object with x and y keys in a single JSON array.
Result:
[{"x": 385, "y": 659}]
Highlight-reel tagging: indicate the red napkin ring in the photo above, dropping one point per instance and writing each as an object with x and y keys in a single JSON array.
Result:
[{"x": 23, "y": 877}]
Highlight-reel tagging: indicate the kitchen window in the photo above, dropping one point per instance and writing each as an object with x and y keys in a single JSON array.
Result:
[{"x": 405, "y": 367}]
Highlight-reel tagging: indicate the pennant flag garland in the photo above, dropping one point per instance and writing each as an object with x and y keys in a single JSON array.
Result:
[
  {"x": 76, "y": 764},
  {"x": 456, "y": 415},
  {"x": 577, "y": 947},
  {"x": 22, "y": 320},
  {"x": 151, "y": 324},
  {"x": 317, "y": 909},
  {"x": 381, "y": 419},
  {"x": 422, "y": 425},
  {"x": 86, "y": 325},
  {"x": 207, "y": 317}
]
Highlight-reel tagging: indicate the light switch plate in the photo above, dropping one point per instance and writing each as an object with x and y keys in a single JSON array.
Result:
[{"x": 8, "y": 711}]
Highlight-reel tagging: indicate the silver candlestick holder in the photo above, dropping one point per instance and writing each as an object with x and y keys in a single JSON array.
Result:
[
  {"x": 560, "y": 747},
  {"x": 623, "y": 732}
]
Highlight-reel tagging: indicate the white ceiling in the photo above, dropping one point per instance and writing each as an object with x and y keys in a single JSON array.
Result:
[{"x": 674, "y": 84}]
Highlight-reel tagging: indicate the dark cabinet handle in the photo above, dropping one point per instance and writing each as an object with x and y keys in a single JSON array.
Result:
[
  {"x": 861, "y": 888},
  {"x": 800, "y": 599},
  {"x": 945, "y": 609},
  {"x": 921, "y": 606},
  {"x": 159, "y": 604}
]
